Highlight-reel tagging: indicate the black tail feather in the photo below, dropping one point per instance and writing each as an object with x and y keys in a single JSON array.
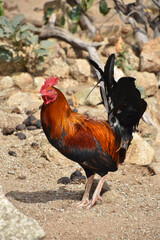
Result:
[
  {"x": 95, "y": 65},
  {"x": 108, "y": 74},
  {"x": 128, "y": 104},
  {"x": 122, "y": 99}
]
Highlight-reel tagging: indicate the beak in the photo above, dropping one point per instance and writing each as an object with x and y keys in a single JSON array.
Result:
[{"x": 39, "y": 95}]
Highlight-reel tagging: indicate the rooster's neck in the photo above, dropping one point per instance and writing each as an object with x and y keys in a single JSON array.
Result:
[{"x": 57, "y": 116}]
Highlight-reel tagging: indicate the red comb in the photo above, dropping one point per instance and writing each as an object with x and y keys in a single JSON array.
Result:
[{"x": 51, "y": 81}]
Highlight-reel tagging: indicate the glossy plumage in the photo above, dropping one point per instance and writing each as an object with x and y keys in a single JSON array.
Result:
[{"x": 98, "y": 146}]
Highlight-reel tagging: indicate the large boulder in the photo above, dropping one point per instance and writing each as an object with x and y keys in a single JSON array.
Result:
[
  {"x": 24, "y": 101},
  {"x": 15, "y": 225},
  {"x": 23, "y": 81},
  {"x": 139, "y": 152},
  {"x": 59, "y": 68},
  {"x": 6, "y": 82},
  {"x": 150, "y": 56},
  {"x": 93, "y": 99},
  {"x": 80, "y": 70}
]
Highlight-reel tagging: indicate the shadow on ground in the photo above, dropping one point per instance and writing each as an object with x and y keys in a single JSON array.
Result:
[{"x": 52, "y": 195}]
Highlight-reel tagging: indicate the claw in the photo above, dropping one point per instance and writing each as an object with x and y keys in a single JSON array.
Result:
[
  {"x": 88, "y": 203},
  {"x": 83, "y": 203},
  {"x": 93, "y": 201}
]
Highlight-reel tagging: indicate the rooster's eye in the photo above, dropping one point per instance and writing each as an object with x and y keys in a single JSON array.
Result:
[{"x": 50, "y": 91}]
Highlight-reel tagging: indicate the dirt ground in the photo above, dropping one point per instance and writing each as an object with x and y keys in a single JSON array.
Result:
[{"x": 131, "y": 206}]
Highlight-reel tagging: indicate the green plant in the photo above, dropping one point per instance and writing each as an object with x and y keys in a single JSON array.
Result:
[
  {"x": 123, "y": 60},
  {"x": 1, "y": 8},
  {"x": 19, "y": 43},
  {"x": 76, "y": 11},
  {"x": 75, "y": 14}
]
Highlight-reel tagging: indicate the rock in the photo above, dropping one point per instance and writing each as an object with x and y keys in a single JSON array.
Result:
[
  {"x": 30, "y": 112},
  {"x": 8, "y": 131},
  {"x": 150, "y": 56},
  {"x": 139, "y": 152},
  {"x": 29, "y": 121},
  {"x": 107, "y": 50},
  {"x": 154, "y": 168},
  {"x": 15, "y": 225},
  {"x": 38, "y": 82},
  {"x": 21, "y": 177},
  {"x": 59, "y": 68},
  {"x": 23, "y": 80},
  {"x": 133, "y": 59},
  {"x": 110, "y": 196},
  {"x": 16, "y": 110},
  {"x": 6, "y": 93},
  {"x": 48, "y": 152},
  {"x": 11, "y": 172},
  {"x": 77, "y": 177},
  {"x": 31, "y": 128},
  {"x": 75, "y": 110},
  {"x": 35, "y": 146},
  {"x": 98, "y": 37},
  {"x": 6, "y": 82},
  {"x": 147, "y": 80},
  {"x": 69, "y": 92},
  {"x": 20, "y": 135},
  {"x": 20, "y": 127},
  {"x": 37, "y": 123},
  {"x": 157, "y": 141},
  {"x": 70, "y": 102},
  {"x": 64, "y": 180},
  {"x": 76, "y": 53},
  {"x": 69, "y": 84},
  {"x": 80, "y": 70},
  {"x": 24, "y": 101},
  {"x": 93, "y": 99},
  {"x": 12, "y": 153}
]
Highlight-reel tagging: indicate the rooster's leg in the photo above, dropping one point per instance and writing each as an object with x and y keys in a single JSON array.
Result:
[
  {"x": 85, "y": 199},
  {"x": 96, "y": 194}
]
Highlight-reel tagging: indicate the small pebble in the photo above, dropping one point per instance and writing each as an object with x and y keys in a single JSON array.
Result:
[
  {"x": 11, "y": 172},
  {"x": 64, "y": 180},
  {"x": 7, "y": 131},
  {"x": 70, "y": 92},
  {"x": 22, "y": 177},
  {"x": 35, "y": 146},
  {"x": 70, "y": 102},
  {"x": 16, "y": 110},
  {"x": 29, "y": 121},
  {"x": 37, "y": 124},
  {"x": 30, "y": 128},
  {"x": 76, "y": 173},
  {"x": 20, "y": 135},
  {"x": 86, "y": 114},
  {"x": 75, "y": 110},
  {"x": 29, "y": 112},
  {"x": 77, "y": 177},
  {"x": 20, "y": 127},
  {"x": 12, "y": 153}
]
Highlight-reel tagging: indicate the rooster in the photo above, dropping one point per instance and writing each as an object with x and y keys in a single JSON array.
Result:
[{"x": 98, "y": 146}]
